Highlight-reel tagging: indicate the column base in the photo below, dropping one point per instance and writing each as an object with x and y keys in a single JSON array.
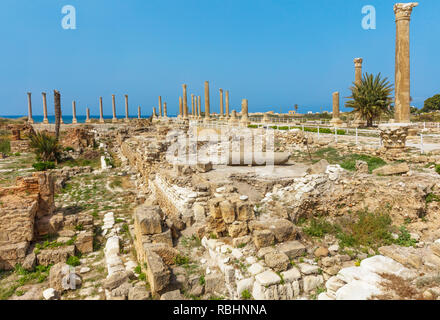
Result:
[
  {"x": 101, "y": 120},
  {"x": 46, "y": 121},
  {"x": 114, "y": 120},
  {"x": 74, "y": 121},
  {"x": 336, "y": 122},
  {"x": 88, "y": 120}
]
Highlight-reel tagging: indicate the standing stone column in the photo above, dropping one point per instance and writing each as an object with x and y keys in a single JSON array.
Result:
[
  {"x": 402, "y": 73},
  {"x": 221, "y": 104},
  {"x": 207, "y": 115},
  {"x": 88, "y": 120},
  {"x": 45, "y": 120},
  {"x": 154, "y": 115},
  {"x": 126, "y": 109},
  {"x": 185, "y": 103},
  {"x": 139, "y": 112},
  {"x": 74, "y": 112},
  {"x": 244, "y": 121},
  {"x": 160, "y": 106},
  {"x": 165, "y": 116},
  {"x": 61, "y": 116},
  {"x": 114, "y": 109},
  {"x": 192, "y": 105},
  {"x": 101, "y": 111},
  {"x": 227, "y": 103},
  {"x": 358, "y": 81},
  {"x": 335, "y": 119},
  {"x": 200, "y": 107},
  {"x": 30, "y": 119},
  {"x": 233, "y": 118},
  {"x": 180, "y": 108}
]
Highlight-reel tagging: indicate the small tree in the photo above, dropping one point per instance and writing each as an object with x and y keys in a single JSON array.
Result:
[
  {"x": 371, "y": 97},
  {"x": 45, "y": 147},
  {"x": 432, "y": 104}
]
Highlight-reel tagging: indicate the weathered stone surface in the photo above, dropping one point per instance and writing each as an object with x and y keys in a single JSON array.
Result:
[
  {"x": 84, "y": 242},
  {"x": 172, "y": 295},
  {"x": 214, "y": 283},
  {"x": 321, "y": 252},
  {"x": 228, "y": 211},
  {"x": 158, "y": 273},
  {"x": 268, "y": 278},
  {"x": 357, "y": 290},
  {"x": 292, "y": 249},
  {"x": 406, "y": 256},
  {"x": 263, "y": 238},
  {"x": 244, "y": 284},
  {"x": 115, "y": 280},
  {"x": 319, "y": 167},
  {"x": 214, "y": 208},
  {"x": 56, "y": 255},
  {"x": 308, "y": 268},
  {"x": 291, "y": 275},
  {"x": 30, "y": 262},
  {"x": 361, "y": 166},
  {"x": 148, "y": 219},
  {"x": 283, "y": 229},
  {"x": 62, "y": 277},
  {"x": 392, "y": 169},
  {"x": 164, "y": 237},
  {"x": 51, "y": 294},
  {"x": 11, "y": 254},
  {"x": 244, "y": 211},
  {"x": 238, "y": 229},
  {"x": 277, "y": 261},
  {"x": 312, "y": 282}
]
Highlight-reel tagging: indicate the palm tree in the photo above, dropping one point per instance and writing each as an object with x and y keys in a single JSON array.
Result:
[
  {"x": 45, "y": 146},
  {"x": 371, "y": 98},
  {"x": 57, "y": 104},
  {"x": 296, "y": 108}
]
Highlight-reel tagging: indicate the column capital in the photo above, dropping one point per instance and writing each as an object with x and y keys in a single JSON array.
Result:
[
  {"x": 358, "y": 62},
  {"x": 403, "y": 10}
]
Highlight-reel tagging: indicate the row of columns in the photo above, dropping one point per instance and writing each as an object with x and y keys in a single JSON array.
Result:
[{"x": 88, "y": 119}]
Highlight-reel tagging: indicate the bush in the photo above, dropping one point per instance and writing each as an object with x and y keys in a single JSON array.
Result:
[
  {"x": 437, "y": 168},
  {"x": 43, "y": 166},
  {"x": 45, "y": 147},
  {"x": 73, "y": 261},
  {"x": 5, "y": 146}
]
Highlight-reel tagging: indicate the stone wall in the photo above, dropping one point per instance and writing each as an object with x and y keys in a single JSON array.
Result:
[{"x": 22, "y": 206}]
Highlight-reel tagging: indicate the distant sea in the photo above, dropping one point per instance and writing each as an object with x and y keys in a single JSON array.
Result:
[{"x": 80, "y": 119}]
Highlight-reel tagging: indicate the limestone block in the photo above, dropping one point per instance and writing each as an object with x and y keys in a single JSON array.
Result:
[
  {"x": 291, "y": 275},
  {"x": 283, "y": 229},
  {"x": 392, "y": 169},
  {"x": 357, "y": 290},
  {"x": 84, "y": 242},
  {"x": 277, "y": 261},
  {"x": 53, "y": 256},
  {"x": 158, "y": 273},
  {"x": 214, "y": 283},
  {"x": 244, "y": 211},
  {"x": 172, "y": 295},
  {"x": 292, "y": 249},
  {"x": 312, "y": 282},
  {"x": 238, "y": 229},
  {"x": 228, "y": 211},
  {"x": 245, "y": 284},
  {"x": 148, "y": 219},
  {"x": 263, "y": 238},
  {"x": 214, "y": 208},
  {"x": 268, "y": 278}
]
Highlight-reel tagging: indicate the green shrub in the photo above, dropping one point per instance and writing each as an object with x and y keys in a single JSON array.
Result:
[
  {"x": 319, "y": 227},
  {"x": 181, "y": 260},
  {"x": 43, "y": 165},
  {"x": 73, "y": 261},
  {"x": 437, "y": 168},
  {"x": 5, "y": 146},
  {"x": 45, "y": 147},
  {"x": 246, "y": 294},
  {"x": 405, "y": 239},
  {"x": 431, "y": 197},
  {"x": 373, "y": 162}
]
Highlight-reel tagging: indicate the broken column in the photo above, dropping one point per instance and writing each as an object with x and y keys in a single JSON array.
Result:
[
  {"x": 154, "y": 115},
  {"x": 74, "y": 112},
  {"x": 200, "y": 107},
  {"x": 221, "y": 104},
  {"x": 358, "y": 81},
  {"x": 266, "y": 118},
  {"x": 101, "y": 111},
  {"x": 165, "y": 111},
  {"x": 45, "y": 120},
  {"x": 126, "y": 109},
  {"x": 192, "y": 105},
  {"x": 207, "y": 115},
  {"x": 88, "y": 120},
  {"x": 185, "y": 103},
  {"x": 180, "y": 108},
  {"x": 402, "y": 73},
  {"x": 244, "y": 121},
  {"x": 30, "y": 119},
  {"x": 227, "y": 104},
  {"x": 114, "y": 109},
  {"x": 233, "y": 119},
  {"x": 335, "y": 119},
  {"x": 160, "y": 106}
]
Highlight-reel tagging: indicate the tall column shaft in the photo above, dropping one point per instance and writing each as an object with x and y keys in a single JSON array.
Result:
[
  {"x": 227, "y": 103},
  {"x": 358, "y": 71},
  {"x": 221, "y": 104},
  {"x": 45, "y": 120},
  {"x": 335, "y": 105},
  {"x": 165, "y": 110},
  {"x": 30, "y": 119},
  {"x": 180, "y": 107},
  {"x": 88, "y": 120},
  {"x": 114, "y": 109},
  {"x": 126, "y": 108},
  {"x": 402, "y": 72},
  {"x": 139, "y": 112},
  {"x": 74, "y": 112},
  {"x": 160, "y": 106},
  {"x": 207, "y": 114},
  {"x": 200, "y": 106},
  {"x": 185, "y": 102},
  {"x": 101, "y": 111},
  {"x": 192, "y": 105}
]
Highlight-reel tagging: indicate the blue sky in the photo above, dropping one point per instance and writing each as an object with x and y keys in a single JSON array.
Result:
[{"x": 274, "y": 53}]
